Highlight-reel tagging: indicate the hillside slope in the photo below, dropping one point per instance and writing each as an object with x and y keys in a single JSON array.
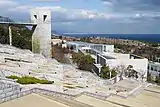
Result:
[{"x": 21, "y": 35}]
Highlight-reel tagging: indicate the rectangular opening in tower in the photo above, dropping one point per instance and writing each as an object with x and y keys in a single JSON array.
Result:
[
  {"x": 44, "y": 17},
  {"x": 35, "y": 16}
]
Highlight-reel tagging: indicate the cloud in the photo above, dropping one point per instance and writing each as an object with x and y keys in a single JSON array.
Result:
[
  {"x": 61, "y": 14},
  {"x": 107, "y": 3},
  {"x": 118, "y": 14},
  {"x": 134, "y": 5},
  {"x": 119, "y": 10},
  {"x": 47, "y": 0},
  {"x": 64, "y": 14},
  {"x": 8, "y": 3}
]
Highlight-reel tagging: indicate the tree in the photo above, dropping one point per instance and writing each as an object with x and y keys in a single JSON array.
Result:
[
  {"x": 142, "y": 74},
  {"x": 129, "y": 69},
  {"x": 71, "y": 48},
  {"x": 107, "y": 73},
  {"x": 85, "y": 39},
  {"x": 76, "y": 57},
  {"x": 126, "y": 71},
  {"x": 113, "y": 73},
  {"x": 121, "y": 69},
  {"x": 21, "y": 36},
  {"x": 149, "y": 77},
  {"x": 134, "y": 74},
  {"x": 157, "y": 80},
  {"x": 84, "y": 62}
]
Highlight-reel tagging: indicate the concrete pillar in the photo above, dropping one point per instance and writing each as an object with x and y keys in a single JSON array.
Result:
[
  {"x": 10, "y": 35},
  {"x": 41, "y": 38}
]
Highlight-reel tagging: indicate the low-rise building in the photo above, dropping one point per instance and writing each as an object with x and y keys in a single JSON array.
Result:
[
  {"x": 114, "y": 60},
  {"x": 76, "y": 45},
  {"x": 154, "y": 69},
  {"x": 105, "y": 55}
]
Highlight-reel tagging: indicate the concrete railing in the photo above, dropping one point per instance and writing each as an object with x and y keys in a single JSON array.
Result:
[
  {"x": 59, "y": 94},
  {"x": 101, "y": 97},
  {"x": 16, "y": 95},
  {"x": 6, "y": 19},
  {"x": 48, "y": 93},
  {"x": 53, "y": 93},
  {"x": 34, "y": 90}
]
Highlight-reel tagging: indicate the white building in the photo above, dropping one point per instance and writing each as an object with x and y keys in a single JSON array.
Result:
[
  {"x": 105, "y": 55},
  {"x": 76, "y": 45},
  {"x": 57, "y": 41},
  {"x": 154, "y": 69},
  {"x": 114, "y": 60}
]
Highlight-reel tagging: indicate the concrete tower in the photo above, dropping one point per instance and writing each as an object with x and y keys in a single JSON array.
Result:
[{"x": 41, "y": 38}]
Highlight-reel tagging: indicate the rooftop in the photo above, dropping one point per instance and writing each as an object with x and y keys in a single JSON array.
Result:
[{"x": 83, "y": 43}]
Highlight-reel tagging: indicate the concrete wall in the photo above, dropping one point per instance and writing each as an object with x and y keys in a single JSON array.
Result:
[
  {"x": 117, "y": 55},
  {"x": 101, "y": 60},
  {"x": 97, "y": 47},
  {"x": 154, "y": 69},
  {"x": 140, "y": 65},
  {"x": 41, "y": 39},
  {"x": 108, "y": 48},
  {"x": 96, "y": 69},
  {"x": 103, "y": 48}
]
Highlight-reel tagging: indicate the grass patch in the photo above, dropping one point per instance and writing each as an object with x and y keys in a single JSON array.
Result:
[
  {"x": 30, "y": 80},
  {"x": 68, "y": 83},
  {"x": 37, "y": 71},
  {"x": 70, "y": 87},
  {"x": 79, "y": 87},
  {"x": 13, "y": 77}
]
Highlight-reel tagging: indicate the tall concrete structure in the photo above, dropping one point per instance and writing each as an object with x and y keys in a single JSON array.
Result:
[
  {"x": 41, "y": 29},
  {"x": 41, "y": 38}
]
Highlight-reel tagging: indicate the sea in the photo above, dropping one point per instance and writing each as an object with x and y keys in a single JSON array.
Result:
[{"x": 155, "y": 38}]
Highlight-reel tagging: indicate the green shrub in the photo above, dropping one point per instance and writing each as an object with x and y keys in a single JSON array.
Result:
[
  {"x": 30, "y": 80},
  {"x": 79, "y": 87},
  {"x": 45, "y": 82},
  {"x": 68, "y": 84},
  {"x": 13, "y": 77},
  {"x": 70, "y": 87}
]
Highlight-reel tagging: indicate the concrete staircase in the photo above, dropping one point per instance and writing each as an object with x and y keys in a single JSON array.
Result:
[{"x": 5, "y": 72}]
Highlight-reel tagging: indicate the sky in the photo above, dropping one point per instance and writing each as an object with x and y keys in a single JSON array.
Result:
[{"x": 92, "y": 16}]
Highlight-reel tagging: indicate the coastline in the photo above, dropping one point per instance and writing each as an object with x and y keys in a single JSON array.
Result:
[{"x": 154, "y": 38}]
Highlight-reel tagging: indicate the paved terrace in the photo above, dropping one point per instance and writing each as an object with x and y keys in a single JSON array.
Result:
[
  {"x": 67, "y": 79},
  {"x": 145, "y": 99}
]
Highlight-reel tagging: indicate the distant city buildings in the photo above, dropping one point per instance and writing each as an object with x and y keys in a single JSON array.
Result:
[
  {"x": 104, "y": 40},
  {"x": 57, "y": 41},
  {"x": 117, "y": 41}
]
